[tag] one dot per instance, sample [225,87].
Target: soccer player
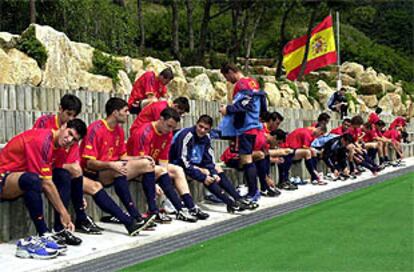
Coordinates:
[337,102]
[104,159]
[299,140]
[149,88]
[152,112]
[346,123]
[154,140]
[67,172]
[241,120]
[191,149]
[26,170]
[335,154]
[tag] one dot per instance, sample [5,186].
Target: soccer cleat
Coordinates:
[67,237]
[136,226]
[247,204]
[88,226]
[162,218]
[168,207]
[34,248]
[184,215]
[94,225]
[110,219]
[287,186]
[234,207]
[199,214]
[271,192]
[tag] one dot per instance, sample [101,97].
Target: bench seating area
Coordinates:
[20,106]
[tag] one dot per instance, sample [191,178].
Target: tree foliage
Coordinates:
[374,33]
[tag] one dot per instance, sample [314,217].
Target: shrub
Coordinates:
[32,47]
[105,65]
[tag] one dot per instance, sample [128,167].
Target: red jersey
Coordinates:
[148,141]
[30,151]
[61,155]
[299,138]
[355,132]
[398,121]
[146,84]
[260,143]
[103,143]
[246,83]
[228,155]
[393,134]
[373,118]
[148,114]
[369,136]
[338,131]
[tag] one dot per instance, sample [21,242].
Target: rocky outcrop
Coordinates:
[324,92]
[392,103]
[62,69]
[18,68]
[273,94]
[200,88]
[69,64]
[370,100]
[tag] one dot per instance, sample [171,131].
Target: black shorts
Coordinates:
[94,175]
[136,110]
[233,163]
[3,178]
[245,143]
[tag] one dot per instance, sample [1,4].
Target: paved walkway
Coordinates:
[114,240]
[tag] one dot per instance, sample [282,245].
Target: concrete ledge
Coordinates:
[114,249]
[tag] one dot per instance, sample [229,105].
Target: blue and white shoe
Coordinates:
[34,248]
[50,244]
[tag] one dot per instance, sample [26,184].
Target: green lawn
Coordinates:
[368,230]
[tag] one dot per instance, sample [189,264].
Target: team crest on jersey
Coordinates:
[164,144]
[252,85]
[110,152]
[318,45]
[117,141]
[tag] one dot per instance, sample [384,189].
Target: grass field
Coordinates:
[368,230]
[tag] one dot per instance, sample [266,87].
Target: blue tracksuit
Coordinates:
[188,150]
[244,113]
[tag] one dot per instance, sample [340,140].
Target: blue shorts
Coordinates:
[245,143]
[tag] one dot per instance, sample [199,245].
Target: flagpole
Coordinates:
[339,82]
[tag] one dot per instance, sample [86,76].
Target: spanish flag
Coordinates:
[322,50]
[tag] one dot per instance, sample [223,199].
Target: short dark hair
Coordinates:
[279,134]
[378,110]
[368,125]
[71,102]
[267,116]
[169,113]
[347,138]
[380,123]
[113,104]
[182,103]
[357,120]
[167,73]
[78,125]
[342,89]
[227,67]
[206,119]
[346,120]
[324,117]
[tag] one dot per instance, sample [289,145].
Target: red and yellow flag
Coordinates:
[322,50]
